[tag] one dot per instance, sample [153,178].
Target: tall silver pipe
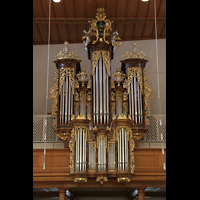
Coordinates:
[80,168]
[63,101]
[97,93]
[84,152]
[130,101]
[78,154]
[83,165]
[100,88]
[104,161]
[66,98]
[60,111]
[135,98]
[118,153]
[99,156]
[132,98]
[94,98]
[104,92]
[125,153]
[141,106]
[69,106]
[138,102]
[72,104]
[90,152]
[122,149]
[107,97]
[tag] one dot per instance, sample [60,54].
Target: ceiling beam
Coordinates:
[45,20]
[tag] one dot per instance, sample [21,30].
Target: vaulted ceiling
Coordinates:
[134,19]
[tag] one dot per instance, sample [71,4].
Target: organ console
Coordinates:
[102,115]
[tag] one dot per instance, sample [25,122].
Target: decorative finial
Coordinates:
[65,54]
[101,15]
[135,50]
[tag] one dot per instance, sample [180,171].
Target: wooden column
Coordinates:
[62,193]
[141,193]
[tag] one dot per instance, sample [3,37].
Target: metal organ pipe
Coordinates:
[138,101]
[135,96]
[100,88]
[122,132]
[141,106]
[94,100]
[66,98]
[107,97]
[78,149]
[69,114]
[97,94]
[104,92]
[101,93]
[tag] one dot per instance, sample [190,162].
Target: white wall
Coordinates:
[148,46]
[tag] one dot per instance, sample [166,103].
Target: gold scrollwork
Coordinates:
[112,83]
[105,55]
[124,96]
[88,96]
[132,146]
[81,117]
[131,73]
[95,58]
[122,116]
[70,72]
[148,95]
[101,179]
[80,179]
[54,97]
[71,147]
[112,95]
[76,95]
[124,179]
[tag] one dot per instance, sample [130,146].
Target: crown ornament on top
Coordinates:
[100,28]
[135,54]
[66,54]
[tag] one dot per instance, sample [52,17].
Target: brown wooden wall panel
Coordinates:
[149,159]
[149,170]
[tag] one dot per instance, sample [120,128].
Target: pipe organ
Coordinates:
[101,115]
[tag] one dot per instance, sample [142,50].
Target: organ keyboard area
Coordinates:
[101,115]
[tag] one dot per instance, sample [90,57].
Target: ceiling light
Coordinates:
[56,1]
[145,0]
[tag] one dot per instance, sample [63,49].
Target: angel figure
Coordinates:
[87,37]
[113,38]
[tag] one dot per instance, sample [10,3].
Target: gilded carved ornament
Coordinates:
[135,54]
[101,179]
[54,97]
[96,57]
[100,28]
[65,54]
[80,179]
